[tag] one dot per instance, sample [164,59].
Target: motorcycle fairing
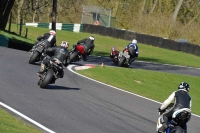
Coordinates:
[80,48]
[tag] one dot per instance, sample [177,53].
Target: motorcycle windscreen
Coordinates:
[80,48]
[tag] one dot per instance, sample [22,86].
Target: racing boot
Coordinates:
[84,57]
[163,127]
[42,69]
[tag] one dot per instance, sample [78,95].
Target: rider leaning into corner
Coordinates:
[135,46]
[51,36]
[88,44]
[114,52]
[181,100]
[59,52]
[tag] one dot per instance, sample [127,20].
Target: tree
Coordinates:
[177,10]
[6,8]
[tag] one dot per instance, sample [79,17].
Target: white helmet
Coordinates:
[134,41]
[64,44]
[52,32]
[91,38]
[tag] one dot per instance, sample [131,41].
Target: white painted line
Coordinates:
[27,118]
[82,67]
[70,68]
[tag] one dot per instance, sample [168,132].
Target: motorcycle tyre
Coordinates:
[178,129]
[73,56]
[34,57]
[47,79]
[121,61]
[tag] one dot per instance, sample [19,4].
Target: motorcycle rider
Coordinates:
[114,54]
[135,46]
[48,37]
[181,100]
[88,44]
[59,52]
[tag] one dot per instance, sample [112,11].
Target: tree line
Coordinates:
[171,19]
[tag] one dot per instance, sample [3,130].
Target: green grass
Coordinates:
[154,85]
[9,124]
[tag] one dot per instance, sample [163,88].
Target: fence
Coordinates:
[142,38]
[59,26]
[91,14]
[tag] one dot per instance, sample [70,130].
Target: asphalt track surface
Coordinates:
[76,104]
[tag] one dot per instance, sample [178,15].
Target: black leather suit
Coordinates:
[59,53]
[45,37]
[182,100]
[88,46]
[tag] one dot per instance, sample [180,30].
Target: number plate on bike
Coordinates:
[126,54]
[40,49]
[42,66]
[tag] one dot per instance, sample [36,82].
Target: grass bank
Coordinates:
[10,124]
[154,85]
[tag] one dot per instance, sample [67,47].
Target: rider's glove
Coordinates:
[160,110]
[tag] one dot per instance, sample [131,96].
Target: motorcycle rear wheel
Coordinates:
[121,61]
[47,79]
[33,57]
[73,56]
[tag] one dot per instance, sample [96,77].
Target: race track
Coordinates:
[76,104]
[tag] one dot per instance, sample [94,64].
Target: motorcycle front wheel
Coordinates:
[33,57]
[47,79]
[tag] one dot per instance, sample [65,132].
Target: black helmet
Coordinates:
[184,85]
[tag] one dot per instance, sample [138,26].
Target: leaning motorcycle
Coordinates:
[124,57]
[37,52]
[51,73]
[114,55]
[76,53]
[179,117]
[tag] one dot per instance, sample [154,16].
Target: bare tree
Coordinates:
[4,17]
[177,10]
[154,5]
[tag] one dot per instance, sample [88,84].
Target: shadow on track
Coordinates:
[57,87]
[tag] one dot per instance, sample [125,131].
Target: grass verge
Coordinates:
[10,124]
[151,84]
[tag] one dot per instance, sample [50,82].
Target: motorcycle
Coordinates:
[124,57]
[179,117]
[37,52]
[51,73]
[114,55]
[76,53]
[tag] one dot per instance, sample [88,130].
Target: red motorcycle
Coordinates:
[76,53]
[114,55]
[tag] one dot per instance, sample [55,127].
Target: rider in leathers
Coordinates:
[88,44]
[181,100]
[52,41]
[135,46]
[59,52]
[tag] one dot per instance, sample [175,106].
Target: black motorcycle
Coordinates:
[76,53]
[37,52]
[51,73]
